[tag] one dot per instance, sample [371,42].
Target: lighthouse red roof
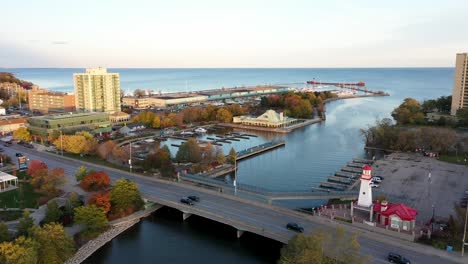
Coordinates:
[367,167]
[401,210]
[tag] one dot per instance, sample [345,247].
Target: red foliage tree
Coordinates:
[101,200]
[95,181]
[35,165]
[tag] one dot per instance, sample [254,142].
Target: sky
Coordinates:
[231,34]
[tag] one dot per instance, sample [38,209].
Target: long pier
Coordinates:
[250,152]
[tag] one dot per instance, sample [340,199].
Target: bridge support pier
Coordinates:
[185,216]
[239,233]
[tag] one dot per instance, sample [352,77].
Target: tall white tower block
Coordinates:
[365,192]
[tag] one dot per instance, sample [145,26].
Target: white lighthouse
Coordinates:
[365,192]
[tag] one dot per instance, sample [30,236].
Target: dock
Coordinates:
[363,161]
[350,169]
[250,152]
[341,180]
[336,186]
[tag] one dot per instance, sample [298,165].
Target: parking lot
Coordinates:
[422,183]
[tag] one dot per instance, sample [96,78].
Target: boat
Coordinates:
[186,133]
[200,130]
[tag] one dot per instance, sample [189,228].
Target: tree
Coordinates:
[75,199]
[125,197]
[232,156]
[80,143]
[189,151]
[92,217]
[34,166]
[48,181]
[223,115]
[22,133]
[101,200]
[81,172]
[55,246]
[105,149]
[25,223]
[409,112]
[21,251]
[220,157]
[462,115]
[323,248]
[156,122]
[53,212]
[139,93]
[95,181]
[4,235]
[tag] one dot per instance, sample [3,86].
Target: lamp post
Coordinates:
[130,159]
[61,141]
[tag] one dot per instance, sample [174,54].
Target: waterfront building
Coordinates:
[44,127]
[97,91]
[11,123]
[45,101]
[119,117]
[397,216]
[182,99]
[460,85]
[8,182]
[269,119]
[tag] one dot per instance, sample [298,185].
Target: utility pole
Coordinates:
[464,231]
[235,175]
[130,160]
[61,141]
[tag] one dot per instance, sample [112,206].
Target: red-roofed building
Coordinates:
[397,216]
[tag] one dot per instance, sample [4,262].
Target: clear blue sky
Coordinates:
[237,33]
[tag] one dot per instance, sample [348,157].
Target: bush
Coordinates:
[95,181]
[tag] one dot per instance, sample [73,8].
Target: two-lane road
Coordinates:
[228,209]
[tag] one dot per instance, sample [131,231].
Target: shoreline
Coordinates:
[117,227]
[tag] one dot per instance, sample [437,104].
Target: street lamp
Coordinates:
[61,141]
[464,231]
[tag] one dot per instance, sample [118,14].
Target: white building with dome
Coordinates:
[270,119]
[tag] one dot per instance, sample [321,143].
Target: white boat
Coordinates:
[200,130]
[186,133]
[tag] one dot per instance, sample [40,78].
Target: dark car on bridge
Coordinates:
[186,201]
[194,198]
[18,154]
[295,227]
[396,258]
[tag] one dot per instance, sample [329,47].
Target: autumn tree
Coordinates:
[95,181]
[160,159]
[55,246]
[220,157]
[21,251]
[101,200]
[105,149]
[223,115]
[25,223]
[232,156]
[92,217]
[80,143]
[125,197]
[48,181]
[156,122]
[409,112]
[34,166]
[22,133]
[53,212]
[81,172]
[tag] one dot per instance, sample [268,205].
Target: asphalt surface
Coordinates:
[233,210]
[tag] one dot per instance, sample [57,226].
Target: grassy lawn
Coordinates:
[453,159]
[95,160]
[11,199]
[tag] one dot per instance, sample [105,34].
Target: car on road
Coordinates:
[31,146]
[396,258]
[194,198]
[186,201]
[7,143]
[295,227]
[1,150]
[18,154]
[374,185]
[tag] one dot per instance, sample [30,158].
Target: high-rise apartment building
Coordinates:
[45,101]
[97,91]
[460,86]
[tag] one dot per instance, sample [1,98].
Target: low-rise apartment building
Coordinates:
[45,102]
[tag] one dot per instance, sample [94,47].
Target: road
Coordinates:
[235,211]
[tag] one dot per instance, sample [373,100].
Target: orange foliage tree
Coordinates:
[101,200]
[35,165]
[95,181]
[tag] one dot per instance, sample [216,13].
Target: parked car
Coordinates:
[186,201]
[18,154]
[376,179]
[295,227]
[380,177]
[194,198]
[396,258]
[374,185]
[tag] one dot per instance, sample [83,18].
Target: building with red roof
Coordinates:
[397,216]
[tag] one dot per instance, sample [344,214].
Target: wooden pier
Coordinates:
[331,185]
[340,180]
[250,152]
[363,161]
[355,165]
[350,169]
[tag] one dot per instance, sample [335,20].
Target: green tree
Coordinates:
[189,151]
[22,133]
[92,217]
[232,156]
[462,115]
[4,235]
[125,195]
[55,246]
[220,157]
[25,223]
[21,251]
[409,112]
[53,212]
[75,200]
[80,173]
[323,248]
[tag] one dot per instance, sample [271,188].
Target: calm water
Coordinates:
[311,153]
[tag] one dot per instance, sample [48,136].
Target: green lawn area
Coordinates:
[453,159]
[95,160]
[24,193]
